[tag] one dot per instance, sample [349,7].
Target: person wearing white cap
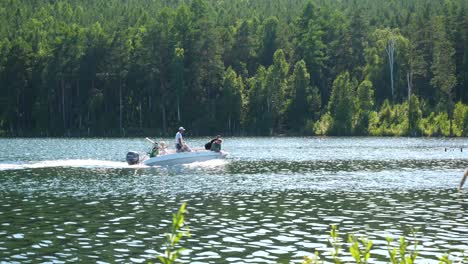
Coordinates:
[179,141]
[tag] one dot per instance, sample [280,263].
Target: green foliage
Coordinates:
[444,259]
[360,248]
[312,260]
[335,242]
[269,41]
[153,65]
[435,125]
[341,105]
[324,125]
[405,251]
[443,67]
[402,254]
[378,62]
[390,120]
[414,116]
[276,90]
[460,118]
[364,103]
[305,100]
[230,101]
[178,231]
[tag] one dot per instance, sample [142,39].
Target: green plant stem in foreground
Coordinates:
[172,251]
[360,250]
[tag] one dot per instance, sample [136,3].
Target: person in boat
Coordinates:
[163,147]
[179,141]
[154,151]
[208,145]
[216,145]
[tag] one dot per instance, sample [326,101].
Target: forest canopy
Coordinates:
[244,67]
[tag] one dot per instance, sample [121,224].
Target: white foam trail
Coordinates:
[69,163]
[207,164]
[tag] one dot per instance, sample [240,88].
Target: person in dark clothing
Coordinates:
[216,146]
[208,145]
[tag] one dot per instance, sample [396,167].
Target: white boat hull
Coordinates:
[184,157]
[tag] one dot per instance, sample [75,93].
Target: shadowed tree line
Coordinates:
[297,67]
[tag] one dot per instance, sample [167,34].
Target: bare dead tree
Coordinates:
[390,49]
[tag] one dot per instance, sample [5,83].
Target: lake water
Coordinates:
[272,201]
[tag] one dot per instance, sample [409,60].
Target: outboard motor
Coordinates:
[133,157]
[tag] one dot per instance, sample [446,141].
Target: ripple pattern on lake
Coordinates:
[272,201]
[271,227]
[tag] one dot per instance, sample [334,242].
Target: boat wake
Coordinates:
[92,164]
[88,163]
[208,164]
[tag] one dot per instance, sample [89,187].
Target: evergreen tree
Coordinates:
[443,66]
[304,101]
[364,103]
[269,41]
[230,103]
[258,119]
[340,106]
[103,68]
[276,90]
[414,116]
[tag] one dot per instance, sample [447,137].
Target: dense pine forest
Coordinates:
[235,67]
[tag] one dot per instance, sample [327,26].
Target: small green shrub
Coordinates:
[435,125]
[402,254]
[335,243]
[360,248]
[324,125]
[390,120]
[460,120]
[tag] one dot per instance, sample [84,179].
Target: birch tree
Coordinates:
[384,45]
[390,49]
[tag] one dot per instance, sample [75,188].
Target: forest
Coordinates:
[234,67]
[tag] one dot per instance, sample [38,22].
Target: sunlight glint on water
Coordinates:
[271,201]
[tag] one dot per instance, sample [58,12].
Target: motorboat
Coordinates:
[174,158]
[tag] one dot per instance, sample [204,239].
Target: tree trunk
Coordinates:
[79,103]
[149,104]
[409,85]
[120,105]
[390,49]
[141,121]
[63,102]
[450,113]
[178,108]
[164,125]
[451,131]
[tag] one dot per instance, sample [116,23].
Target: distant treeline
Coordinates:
[235,67]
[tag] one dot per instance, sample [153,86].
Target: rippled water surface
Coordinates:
[271,201]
